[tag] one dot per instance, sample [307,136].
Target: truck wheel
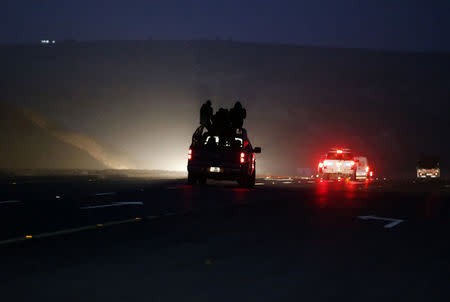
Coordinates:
[252,180]
[243,179]
[191,179]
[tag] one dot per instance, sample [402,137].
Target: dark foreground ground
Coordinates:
[129,240]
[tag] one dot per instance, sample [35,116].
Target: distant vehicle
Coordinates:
[428,167]
[338,164]
[223,158]
[363,169]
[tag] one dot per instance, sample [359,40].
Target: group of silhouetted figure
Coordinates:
[224,121]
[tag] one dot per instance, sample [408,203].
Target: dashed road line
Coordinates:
[69,231]
[259,184]
[9,201]
[106,193]
[114,204]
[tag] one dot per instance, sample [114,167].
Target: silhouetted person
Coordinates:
[206,113]
[221,121]
[237,116]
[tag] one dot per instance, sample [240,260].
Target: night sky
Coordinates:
[395,25]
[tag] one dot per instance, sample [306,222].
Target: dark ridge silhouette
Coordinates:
[144,97]
[30,141]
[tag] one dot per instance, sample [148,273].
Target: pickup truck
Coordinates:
[230,157]
[338,164]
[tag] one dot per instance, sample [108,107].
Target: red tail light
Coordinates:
[242,157]
[190,154]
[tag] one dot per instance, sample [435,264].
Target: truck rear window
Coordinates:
[339,156]
[223,142]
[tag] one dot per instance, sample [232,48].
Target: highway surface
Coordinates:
[93,239]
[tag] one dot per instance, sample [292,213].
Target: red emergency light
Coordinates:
[242,157]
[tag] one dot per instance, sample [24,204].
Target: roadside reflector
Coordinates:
[138,218]
[28,236]
[100,225]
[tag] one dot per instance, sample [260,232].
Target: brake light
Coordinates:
[339,151]
[190,154]
[242,157]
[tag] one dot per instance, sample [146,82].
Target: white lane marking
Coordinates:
[259,184]
[128,202]
[106,193]
[69,231]
[9,201]
[114,204]
[287,182]
[393,221]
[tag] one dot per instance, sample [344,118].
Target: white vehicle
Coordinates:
[339,164]
[363,170]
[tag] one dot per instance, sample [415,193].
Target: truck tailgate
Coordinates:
[219,158]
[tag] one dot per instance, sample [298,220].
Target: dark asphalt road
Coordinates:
[276,242]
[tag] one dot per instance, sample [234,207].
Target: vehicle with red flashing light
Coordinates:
[222,157]
[338,164]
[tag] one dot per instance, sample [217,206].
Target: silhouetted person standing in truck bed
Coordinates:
[221,121]
[206,113]
[237,116]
